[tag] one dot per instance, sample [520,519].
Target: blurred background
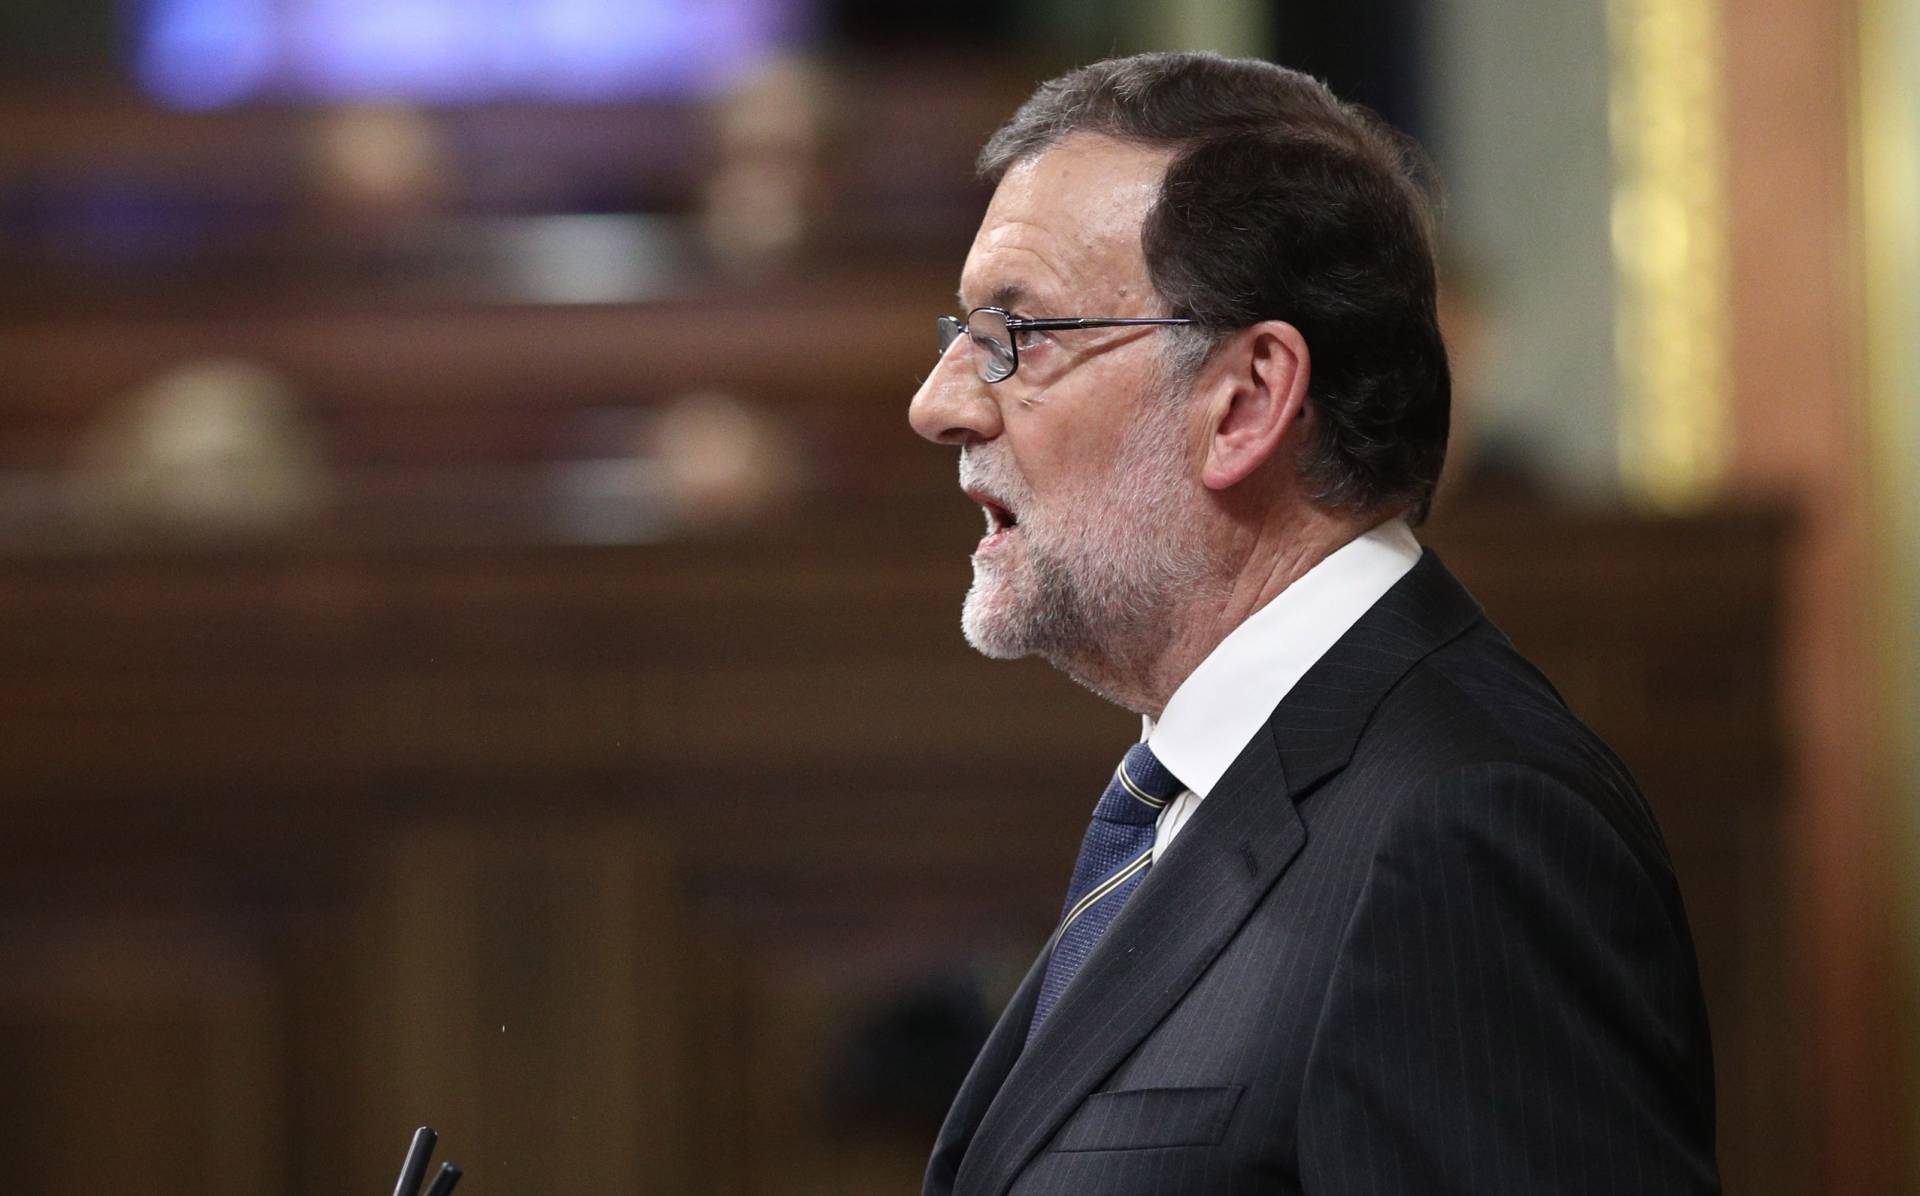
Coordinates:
[478,640]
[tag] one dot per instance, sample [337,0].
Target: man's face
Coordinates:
[1081,460]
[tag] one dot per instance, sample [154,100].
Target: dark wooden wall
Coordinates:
[598,858]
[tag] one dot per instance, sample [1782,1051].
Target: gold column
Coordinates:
[1666,115]
[1887,183]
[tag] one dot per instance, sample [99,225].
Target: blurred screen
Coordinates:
[215,53]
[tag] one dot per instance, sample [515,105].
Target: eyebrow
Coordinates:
[1007,296]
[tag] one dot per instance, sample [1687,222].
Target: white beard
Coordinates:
[1093,579]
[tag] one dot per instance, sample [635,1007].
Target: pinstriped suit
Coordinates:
[1423,936]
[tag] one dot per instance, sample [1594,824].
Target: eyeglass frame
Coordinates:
[951,328]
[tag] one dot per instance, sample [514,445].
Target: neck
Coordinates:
[1257,565]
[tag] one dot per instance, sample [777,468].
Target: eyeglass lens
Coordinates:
[993,355]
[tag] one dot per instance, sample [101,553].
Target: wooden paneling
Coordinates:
[142,1053]
[673,816]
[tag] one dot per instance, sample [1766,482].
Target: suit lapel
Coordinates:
[1191,904]
[1316,726]
[1184,912]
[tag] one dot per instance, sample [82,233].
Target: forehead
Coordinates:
[1064,229]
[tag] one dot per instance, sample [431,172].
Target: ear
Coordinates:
[1258,384]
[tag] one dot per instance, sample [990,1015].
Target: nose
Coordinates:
[953,405]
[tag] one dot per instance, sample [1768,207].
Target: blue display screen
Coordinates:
[215,53]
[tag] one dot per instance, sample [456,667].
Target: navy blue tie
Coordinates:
[1114,857]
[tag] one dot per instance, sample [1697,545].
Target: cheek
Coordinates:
[1062,459]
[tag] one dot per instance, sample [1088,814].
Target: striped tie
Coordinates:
[1114,857]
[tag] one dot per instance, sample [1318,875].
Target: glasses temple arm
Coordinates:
[1016,324]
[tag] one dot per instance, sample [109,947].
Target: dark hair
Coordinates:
[1282,202]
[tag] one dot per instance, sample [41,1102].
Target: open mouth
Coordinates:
[1000,519]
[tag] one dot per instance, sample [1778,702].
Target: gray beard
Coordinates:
[1099,600]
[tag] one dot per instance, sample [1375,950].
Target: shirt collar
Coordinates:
[1229,697]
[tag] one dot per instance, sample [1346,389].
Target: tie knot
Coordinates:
[1140,789]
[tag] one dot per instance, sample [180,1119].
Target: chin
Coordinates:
[991,637]
[992,624]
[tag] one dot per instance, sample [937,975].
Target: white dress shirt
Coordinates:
[1227,700]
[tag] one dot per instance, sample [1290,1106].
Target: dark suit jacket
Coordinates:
[1423,936]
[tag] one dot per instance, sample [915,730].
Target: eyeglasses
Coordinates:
[996,332]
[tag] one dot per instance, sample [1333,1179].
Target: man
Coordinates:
[1368,910]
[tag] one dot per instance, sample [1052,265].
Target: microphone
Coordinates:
[414,1168]
[443,1182]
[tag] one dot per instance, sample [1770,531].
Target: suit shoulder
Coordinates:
[1476,700]
[1476,708]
